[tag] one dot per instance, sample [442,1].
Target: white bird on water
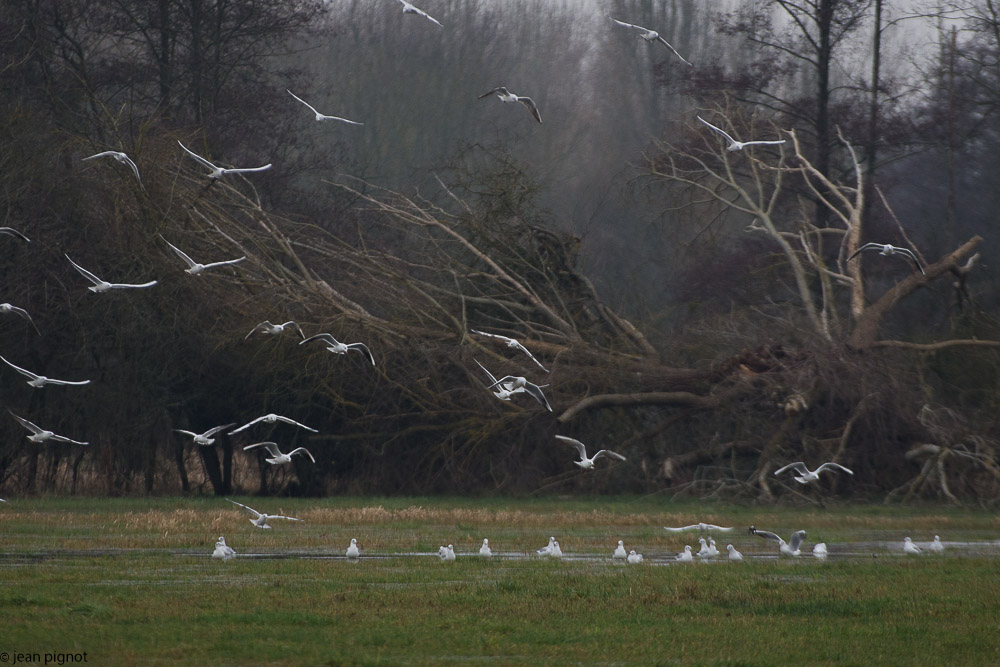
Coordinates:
[41,435]
[547,549]
[321,116]
[512,343]
[790,548]
[504,96]
[588,463]
[909,547]
[888,250]
[335,346]
[703,527]
[194,268]
[259,518]
[634,558]
[8,309]
[276,456]
[805,475]
[936,545]
[215,173]
[222,550]
[39,381]
[10,231]
[103,285]
[353,551]
[685,556]
[620,551]
[820,550]
[518,383]
[204,439]
[650,36]
[271,419]
[410,9]
[738,145]
[121,157]
[266,327]
[485,549]
[734,555]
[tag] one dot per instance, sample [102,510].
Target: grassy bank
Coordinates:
[130,581]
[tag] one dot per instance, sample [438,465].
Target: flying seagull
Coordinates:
[204,439]
[505,96]
[703,527]
[485,549]
[887,250]
[8,309]
[353,551]
[216,173]
[584,462]
[103,285]
[276,455]
[737,145]
[260,519]
[39,381]
[335,346]
[321,116]
[518,383]
[121,157]
[271,419]
[810,476]
[650,36]
[10,231]
[194,268]
[410,9]
[266,327]
[41,435]
[619,552]
[512,343]
[503,391]
[790,548]
[222,550]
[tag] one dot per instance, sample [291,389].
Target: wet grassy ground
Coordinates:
[131,581]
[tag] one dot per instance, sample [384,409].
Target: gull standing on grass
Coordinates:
[650,36]
[8,309]
[634,558]
[512,343]
[485,549]
[620,551]
[888,250]
[504,96]
[353,551]
[121,157]
[335,346]
[805,475]
[909,547]
[410,9]
[222,551]
[790,548]
[936,545]
[685,556]
[738,145]
[38,381]
[204,439]
[518,383]
[321,116]
[703,527]
[547,549]
[194,268]
[266,327]
[271,419]
[215,173]
[584,462]
[820,550]
[259,518]
[103,285]
[446,553]
[734,555]
[41,435]
[10,231]
[276,456]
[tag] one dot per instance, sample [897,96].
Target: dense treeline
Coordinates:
[696,306]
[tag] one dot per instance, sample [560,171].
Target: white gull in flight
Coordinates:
[650,36]
[41,435]
[588,463]
[121,157]
[259,518]
[805,475]
[271,419]
[103,285]
[204,439]
[39,381]
[738,145]
[505,96]
[335,346]
[321,116]
[215,173]
[276,456]
[512,343]
[194,268]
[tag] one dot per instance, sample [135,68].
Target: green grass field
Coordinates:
[130,581]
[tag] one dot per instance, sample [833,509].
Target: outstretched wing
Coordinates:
[530,103]
[25,423]
[241,170]
[180,253]
[610,454]
[798,465]
[224,263]
[580,447]
[330,340]
[718,129]
[499,90]
[628,25]
[867,246]
[831,465]
[212,431]
[681,528]
[768,535]
[493,380]
[84,272]
[304,450]
[667,44]
[255,513]
[272,447]
[25,373]
[363,348]
[303,102]
[292,421]
[62,438]
[913,258]
[13,232]
[198,157]
[530,355]
[536,393]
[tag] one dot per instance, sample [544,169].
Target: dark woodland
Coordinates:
[696,307]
